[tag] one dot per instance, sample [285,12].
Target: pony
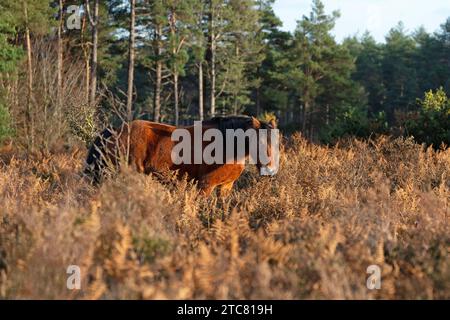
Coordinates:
[147,146]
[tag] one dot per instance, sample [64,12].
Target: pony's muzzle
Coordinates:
[267,171]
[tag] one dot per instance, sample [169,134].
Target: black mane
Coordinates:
[233,122]
[229,122]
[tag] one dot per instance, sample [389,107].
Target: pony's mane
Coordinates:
[232,122]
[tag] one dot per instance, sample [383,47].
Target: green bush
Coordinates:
[431,125]
[351,121]
[82,123]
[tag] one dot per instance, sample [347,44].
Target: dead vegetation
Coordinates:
[310,232]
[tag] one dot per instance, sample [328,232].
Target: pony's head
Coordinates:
[259,139]
[267,137]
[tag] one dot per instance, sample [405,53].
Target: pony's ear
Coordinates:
[273,123]
[255,122]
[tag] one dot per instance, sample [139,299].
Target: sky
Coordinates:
[376,16]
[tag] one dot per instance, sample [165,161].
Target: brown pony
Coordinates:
[150,148]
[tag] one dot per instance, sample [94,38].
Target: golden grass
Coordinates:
[310,232]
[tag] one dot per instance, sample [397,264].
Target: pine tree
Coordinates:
[198,47]
[443,37]
[181,17]
[304,66]
[131,58]
[269,25]
[233,52]
[28,17]
[272,94]
[369,58]
[94,23]
[399,72]
[155,21]
[244,55]
[10,54]
[60,58]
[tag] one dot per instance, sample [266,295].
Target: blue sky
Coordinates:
[377,16]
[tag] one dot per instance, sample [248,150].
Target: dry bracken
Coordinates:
[310,232]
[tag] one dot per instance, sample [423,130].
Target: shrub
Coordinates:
[431,125]
[82,123]
[351,121]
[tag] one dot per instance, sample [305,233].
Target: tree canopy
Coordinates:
[199,58]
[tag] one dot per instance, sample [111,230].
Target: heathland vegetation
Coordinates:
[311,231]
[364,175]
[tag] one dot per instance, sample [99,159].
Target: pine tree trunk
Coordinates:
[235,98]
[158,75]
[311,126]
[173,31]
[213,83]
[131,56]
[176,98]
[86,55]
[212,48]
[94,59]
[29,112]
[60,53]
[200,90]
[258,101]
[88,78]
[305,115]
[60,62]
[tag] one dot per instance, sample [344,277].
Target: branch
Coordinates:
[180,45]
[88,10]
[224,83]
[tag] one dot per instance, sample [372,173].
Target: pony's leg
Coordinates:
[205,188]
[138,163]
[225,189]
[139,166]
